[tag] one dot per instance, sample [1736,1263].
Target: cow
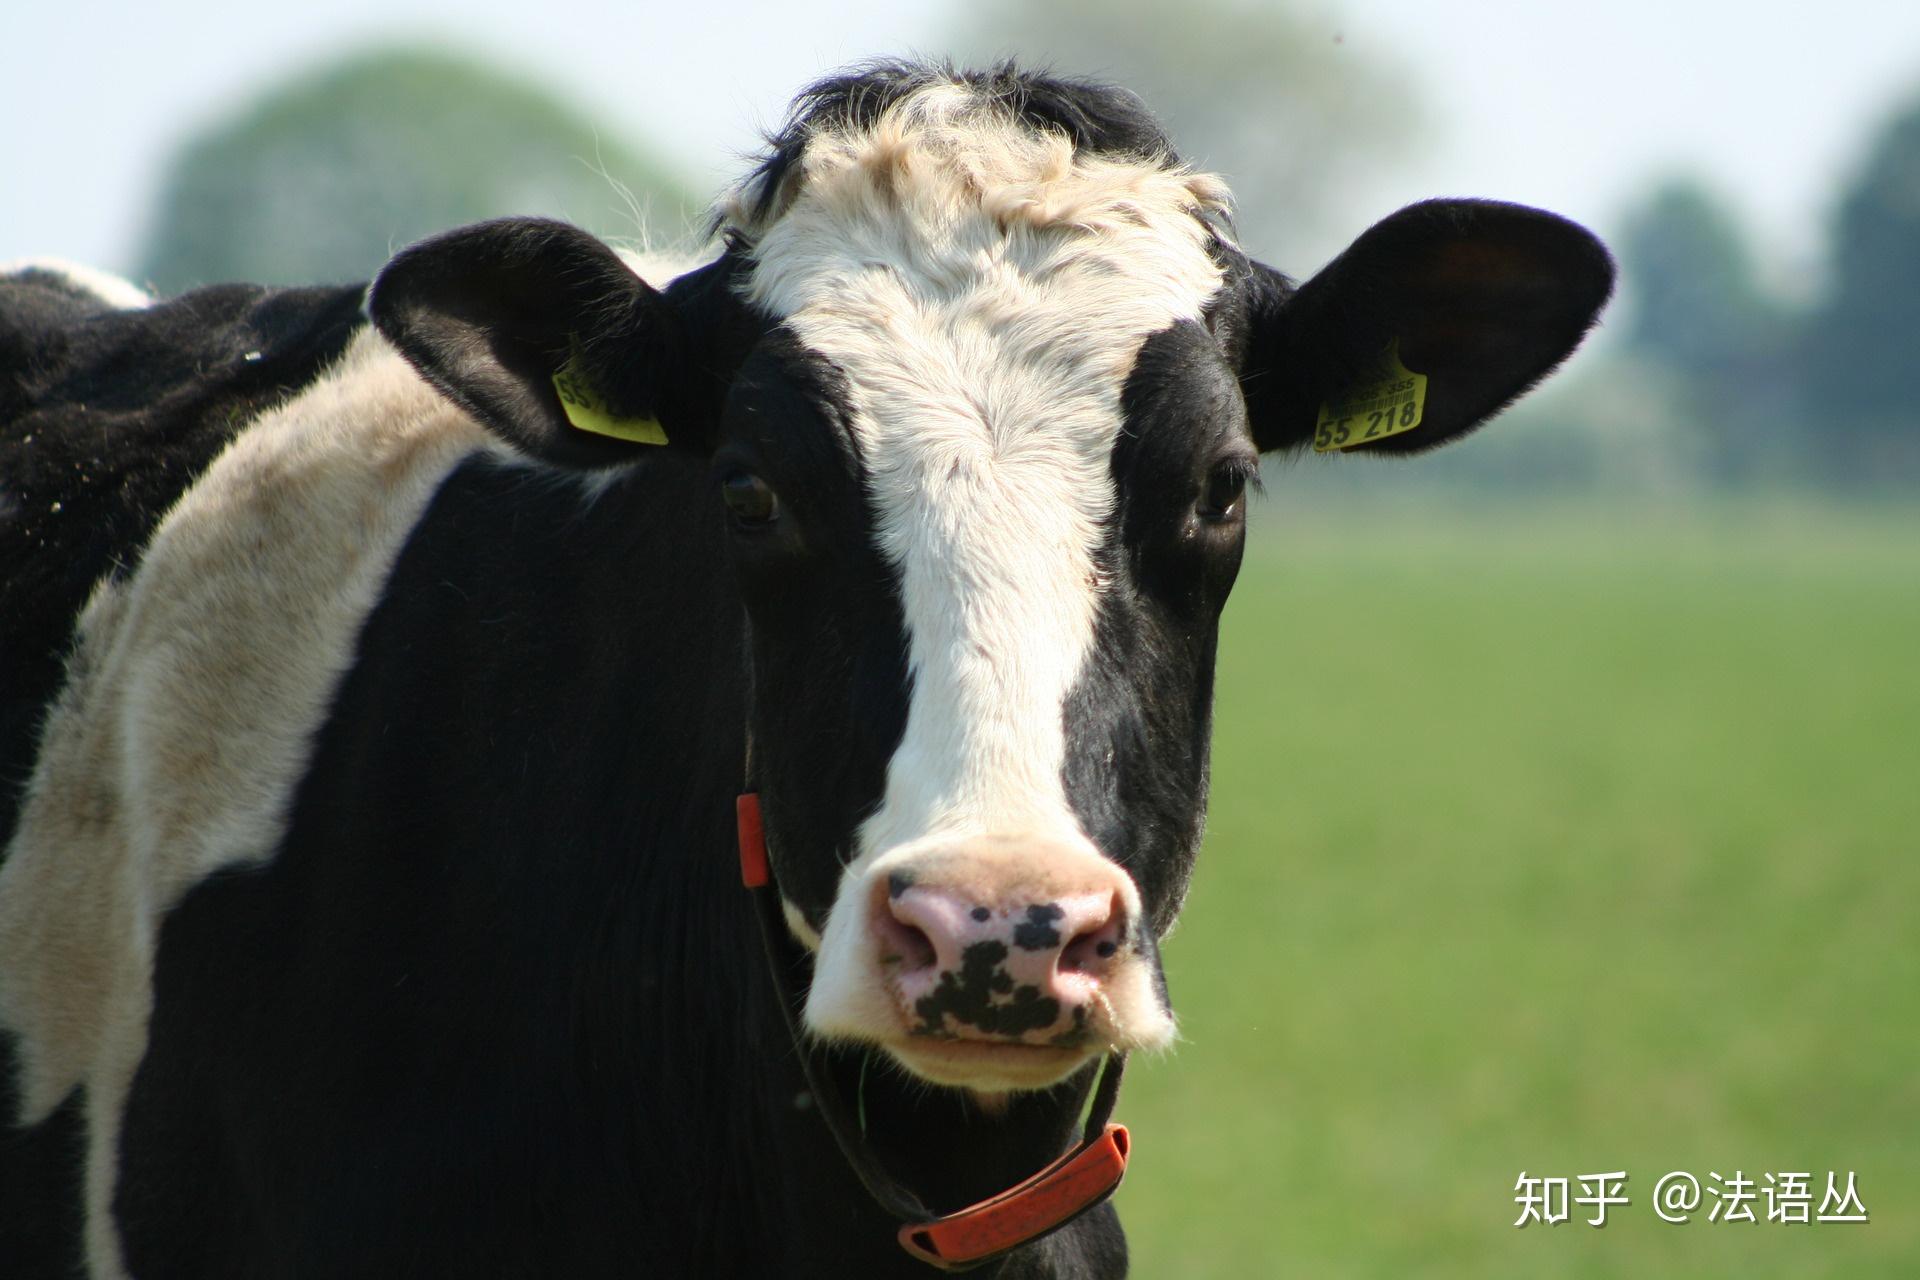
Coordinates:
[402,681]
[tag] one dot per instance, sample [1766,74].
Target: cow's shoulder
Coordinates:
[197,676]
[107,413]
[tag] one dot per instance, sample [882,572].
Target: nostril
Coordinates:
[1093,948]
[904,943]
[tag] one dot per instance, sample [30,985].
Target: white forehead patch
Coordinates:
[984,292]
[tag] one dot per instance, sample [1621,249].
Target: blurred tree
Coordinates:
[321,179]
[1695,299]
[1863,347]
[1701,323]
[1264,94]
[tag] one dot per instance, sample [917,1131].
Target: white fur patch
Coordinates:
[660,267]
[984,292]
[104,285]
[188,718]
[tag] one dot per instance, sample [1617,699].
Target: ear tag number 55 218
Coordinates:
[1386,406]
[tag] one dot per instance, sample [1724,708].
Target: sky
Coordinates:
[1574,108]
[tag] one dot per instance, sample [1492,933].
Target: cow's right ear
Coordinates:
[1428,325]
[541,332]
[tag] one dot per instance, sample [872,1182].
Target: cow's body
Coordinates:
[370,906]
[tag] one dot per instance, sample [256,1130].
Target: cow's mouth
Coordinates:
[989,1066]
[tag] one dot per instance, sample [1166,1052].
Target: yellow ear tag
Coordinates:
[1394,402]
[585,410]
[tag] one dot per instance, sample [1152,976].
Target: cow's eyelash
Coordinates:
[1246,469]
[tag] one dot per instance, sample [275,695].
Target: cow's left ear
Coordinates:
[541,332]
[1430,323]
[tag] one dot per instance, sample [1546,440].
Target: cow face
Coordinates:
[983,396]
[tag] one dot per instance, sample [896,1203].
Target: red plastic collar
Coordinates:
[1050,1199]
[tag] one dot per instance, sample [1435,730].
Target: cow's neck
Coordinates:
[688,926]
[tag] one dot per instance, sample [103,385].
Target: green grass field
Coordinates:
[1565,843]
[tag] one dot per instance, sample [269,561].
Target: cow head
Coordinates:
[984,380]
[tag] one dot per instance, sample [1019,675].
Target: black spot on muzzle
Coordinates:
[969,998]
[1037,932]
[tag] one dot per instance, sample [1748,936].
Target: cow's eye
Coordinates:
[751,499]
[1225,485]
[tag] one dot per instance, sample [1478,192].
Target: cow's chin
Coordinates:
[987,1067]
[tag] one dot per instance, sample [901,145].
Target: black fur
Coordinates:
[828,659]
[1139,722]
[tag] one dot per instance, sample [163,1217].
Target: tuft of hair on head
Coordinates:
[883,116]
